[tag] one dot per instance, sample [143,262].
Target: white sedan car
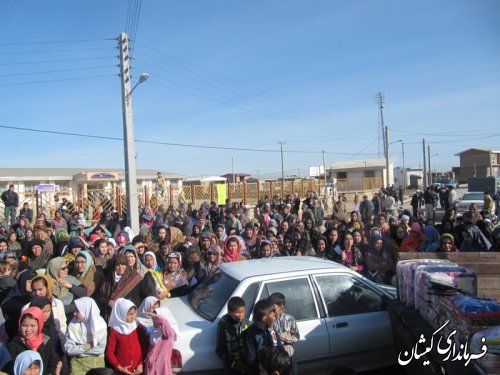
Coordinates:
[342,317]
[468,198]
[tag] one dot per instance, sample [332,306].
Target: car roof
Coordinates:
[270,266]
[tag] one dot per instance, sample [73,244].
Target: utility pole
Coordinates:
[429,161]
[324,172]
[491,164]
[425,164]
[404,168]
[386,137]
[380,97]
[234,177]
[282,170]
[128,136]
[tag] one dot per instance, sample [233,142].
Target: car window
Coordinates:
[473,197]
[346,295]
[249,298]
[208,298]
[299,298]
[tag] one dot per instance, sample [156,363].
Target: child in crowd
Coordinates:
[30,337]
[284,324]
[86,337]
[161,339]
[229,345]
[260,334]
[124,350]
[274,361]
[6,279]
[28,362]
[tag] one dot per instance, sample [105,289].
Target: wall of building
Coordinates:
[474,163]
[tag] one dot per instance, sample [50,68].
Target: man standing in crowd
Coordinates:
[11,200]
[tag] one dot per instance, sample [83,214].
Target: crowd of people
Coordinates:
[86,297]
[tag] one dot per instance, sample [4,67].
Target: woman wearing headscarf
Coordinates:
[414,239]
[301,243]
[250,237]
[333,248]
[212,259]
[66,288]
[17,297]
[49,325]
[350,255]
[38,255]
[193,267]
[85,272]
[30,337]
[121,282]
[398,235]
[126,339]
[14,244]
[41,287]
[28,360]
[86,337]
[431,240]
[175,278]
[233,250]
[474,239]
[379,264]
[149,260]
[447,243]
[133,260]
[321,247]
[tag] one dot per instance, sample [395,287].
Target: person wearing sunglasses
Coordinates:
[66,287]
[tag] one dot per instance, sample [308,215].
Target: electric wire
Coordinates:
[55,42]
[162,143]
[53,51]
[57,61]
[58,70]
[56,80]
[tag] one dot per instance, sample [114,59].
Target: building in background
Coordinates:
[409,178]
[360,175]
[477,162]
[28,180]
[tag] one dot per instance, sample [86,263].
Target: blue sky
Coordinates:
[248,75]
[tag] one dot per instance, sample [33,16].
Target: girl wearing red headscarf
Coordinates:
[30,337]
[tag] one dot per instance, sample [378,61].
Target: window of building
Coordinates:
[369,173]
[342,175]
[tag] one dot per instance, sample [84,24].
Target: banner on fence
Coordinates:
[221,193]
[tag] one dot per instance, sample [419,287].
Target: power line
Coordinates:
[159,142]
[56,80]
[53,51]
[57,71]
[55,42]
[57,61]
[287,106]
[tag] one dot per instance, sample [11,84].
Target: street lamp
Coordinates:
[387,155]
[144,77]
[430,169]
[400,140]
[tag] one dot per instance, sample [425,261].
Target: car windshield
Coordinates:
[208,298]
[473,197]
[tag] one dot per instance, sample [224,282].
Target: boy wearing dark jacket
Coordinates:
[230,332]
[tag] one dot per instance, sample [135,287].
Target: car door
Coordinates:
[358,322]
[312,351]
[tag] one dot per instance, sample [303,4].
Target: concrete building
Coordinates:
[408,178]
[477,162]
[28,180]
[360,174]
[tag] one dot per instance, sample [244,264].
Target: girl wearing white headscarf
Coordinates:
[143,316]
[161,340]
[126,339]
[86,337]
[25,360]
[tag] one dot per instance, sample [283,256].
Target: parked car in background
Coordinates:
[468,198]
[449,182]
[342,317]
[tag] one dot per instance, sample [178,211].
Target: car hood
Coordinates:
[187,319]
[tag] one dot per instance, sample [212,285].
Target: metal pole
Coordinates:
[128,136]
[234,177]
[282,168]
[386,157]
[324,172]
[429,161]
[491,164]
[404,168]
[425,164]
